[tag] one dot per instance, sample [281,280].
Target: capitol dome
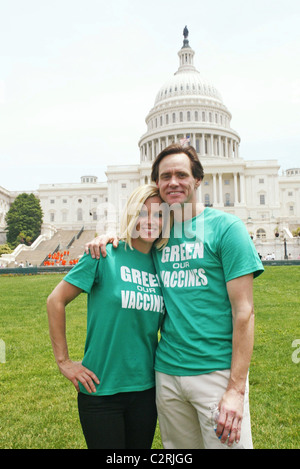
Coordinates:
[189,106]
[189,83]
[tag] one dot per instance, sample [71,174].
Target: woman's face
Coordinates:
[149,223]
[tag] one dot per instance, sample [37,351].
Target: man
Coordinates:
[206,272]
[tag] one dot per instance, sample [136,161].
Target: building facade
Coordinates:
[187,106]
[71,206]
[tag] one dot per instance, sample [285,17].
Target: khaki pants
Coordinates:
[184,410]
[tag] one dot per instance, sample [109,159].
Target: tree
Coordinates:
[24,220]
[5,249]
[296,232]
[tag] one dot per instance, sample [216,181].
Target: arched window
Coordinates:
[260,233]
[206,200]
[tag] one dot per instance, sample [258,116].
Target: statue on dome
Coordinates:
[185,32]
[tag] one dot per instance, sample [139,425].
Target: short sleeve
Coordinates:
[84,274]
[238,254]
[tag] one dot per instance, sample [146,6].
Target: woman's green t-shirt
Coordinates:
[125,311]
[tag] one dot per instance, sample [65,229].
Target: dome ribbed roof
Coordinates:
[189,83]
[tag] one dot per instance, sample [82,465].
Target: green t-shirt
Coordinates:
[125,311]
[202,255]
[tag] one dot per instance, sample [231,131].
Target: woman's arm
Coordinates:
[57,301]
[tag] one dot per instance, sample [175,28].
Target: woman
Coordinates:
[115,381]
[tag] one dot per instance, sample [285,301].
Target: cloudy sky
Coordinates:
[78,77]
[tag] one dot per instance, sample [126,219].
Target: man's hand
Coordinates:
[76,372]
[231,415]
[231,406]
[97,246]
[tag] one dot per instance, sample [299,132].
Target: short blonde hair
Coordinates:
[132,212]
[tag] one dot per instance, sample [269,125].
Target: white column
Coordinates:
[230,149]
[253,191]
[242,188]
[212,145]
[226,147]
[276,187]
[219,142]
[215,201]
[220,189]
[202,145]
[236,201]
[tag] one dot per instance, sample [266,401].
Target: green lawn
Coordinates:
[38,407]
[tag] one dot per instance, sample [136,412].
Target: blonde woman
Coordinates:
[115,381]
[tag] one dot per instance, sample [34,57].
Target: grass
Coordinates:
[274,377]
[38,407]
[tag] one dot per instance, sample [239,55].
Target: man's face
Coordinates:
[176,182]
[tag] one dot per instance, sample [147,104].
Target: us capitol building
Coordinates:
[186,107]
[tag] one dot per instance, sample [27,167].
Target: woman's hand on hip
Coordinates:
[76,372]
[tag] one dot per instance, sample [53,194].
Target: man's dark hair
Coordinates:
[173,149]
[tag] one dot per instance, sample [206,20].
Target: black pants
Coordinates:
[122,421]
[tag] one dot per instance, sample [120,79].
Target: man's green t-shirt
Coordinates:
[202,254]
[125,311]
